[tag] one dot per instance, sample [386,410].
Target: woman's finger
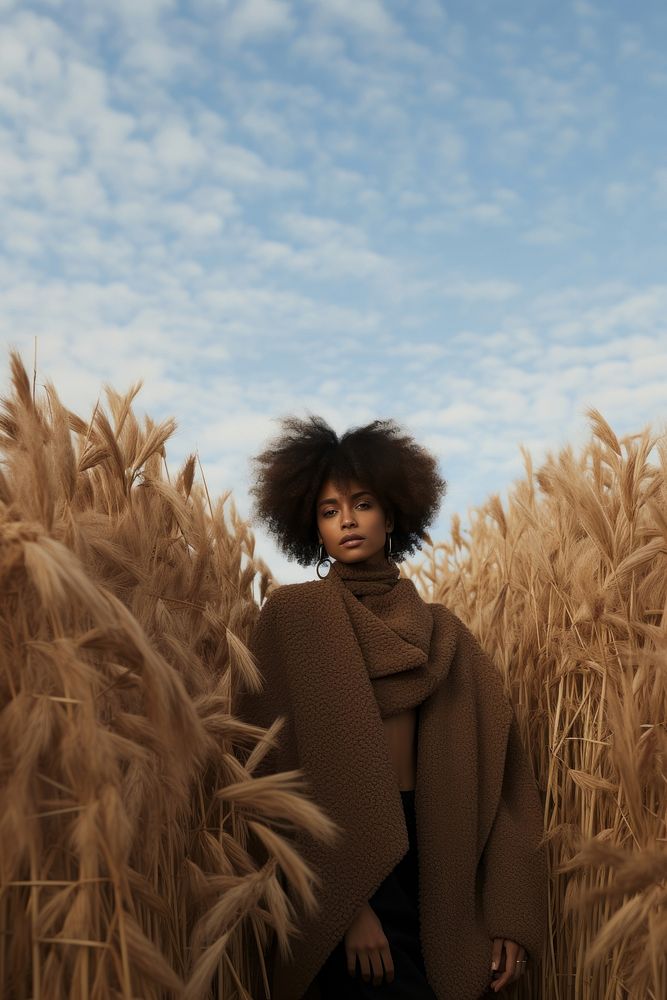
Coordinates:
[388,963]
[496,953]
[511,949]
[520,963]
[377,968]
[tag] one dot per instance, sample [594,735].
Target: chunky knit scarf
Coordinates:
[338,656]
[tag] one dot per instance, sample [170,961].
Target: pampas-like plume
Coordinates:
[127,795]
[567,591]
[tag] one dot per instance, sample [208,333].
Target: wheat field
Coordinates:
[127,797]
[140,853]
[566,587]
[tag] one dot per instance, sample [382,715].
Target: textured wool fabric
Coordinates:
[337,656]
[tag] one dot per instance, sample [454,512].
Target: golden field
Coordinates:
[128,796]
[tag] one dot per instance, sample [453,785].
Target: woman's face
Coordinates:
[352,511]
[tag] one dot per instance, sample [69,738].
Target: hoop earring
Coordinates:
[323,558]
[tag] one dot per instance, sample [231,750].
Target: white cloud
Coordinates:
[631,42]
[176,147]
[446,446]
[492,112]
[242,430]
[146,12]
[257,19]
[422,353]
[239,165]
[154,57]
[82,191]
[451,146]
[316,229]
[660,183]
[368,15]
[641,310]
[556,224]
[60,148]
[619,194]
[585,9]
[86,91]
[331,249]
[458,415]
[266,127]
[185,219]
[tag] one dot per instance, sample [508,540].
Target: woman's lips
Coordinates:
[353,542]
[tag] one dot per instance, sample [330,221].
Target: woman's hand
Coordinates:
[515,962]
[365,940]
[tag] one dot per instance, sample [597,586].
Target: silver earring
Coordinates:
[389,545]
[323,558]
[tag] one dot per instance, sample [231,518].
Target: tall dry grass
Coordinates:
[128,805]
[566,587]
[140,853]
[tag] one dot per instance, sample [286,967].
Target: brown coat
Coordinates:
[337,657]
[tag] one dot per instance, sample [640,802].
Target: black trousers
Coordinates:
[396,903]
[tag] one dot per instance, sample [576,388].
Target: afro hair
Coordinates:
[288,475]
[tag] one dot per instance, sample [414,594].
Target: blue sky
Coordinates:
[453,214]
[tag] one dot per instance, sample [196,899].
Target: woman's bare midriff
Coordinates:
[401,734]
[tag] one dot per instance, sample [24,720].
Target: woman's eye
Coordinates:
[363,504]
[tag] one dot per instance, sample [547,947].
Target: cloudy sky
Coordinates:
[453,214]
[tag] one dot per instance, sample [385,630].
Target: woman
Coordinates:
[436,885]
